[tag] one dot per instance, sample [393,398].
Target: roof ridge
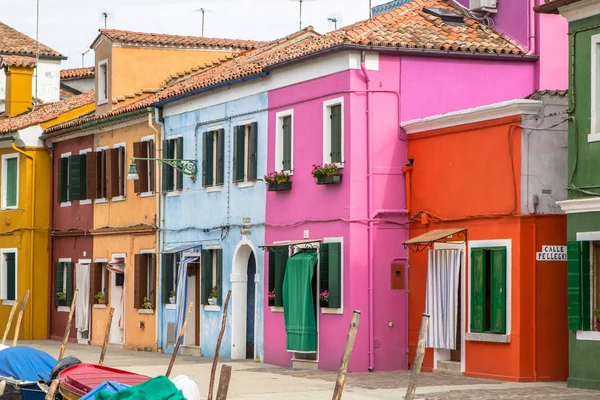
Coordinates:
[14,42]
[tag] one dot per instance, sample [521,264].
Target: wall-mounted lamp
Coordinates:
[187,167]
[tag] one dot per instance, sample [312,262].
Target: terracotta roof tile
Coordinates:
[75,73]
[45,112]
[159,39]
[15,42]
[17,61]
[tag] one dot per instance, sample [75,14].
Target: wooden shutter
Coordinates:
[207,159]
[324,268]
[271,282]
[58,280]
[83,177]
[76,165]
[335,275]
[179,143]
[140,280]
[151,259]
[167,277]
[112,173]
[281,258]
[96,281]
[578,285]
[219,267]
[477,290]
[12,171]
[220,157]
[122,164]
[335,116]
[498,291]
[11,277]
[151,166]
[206,276]
[253,152]
[101,174]
[239,137]
[137,153]
[63,180]
[70,280]
[167,170]
[287,143]
[91,180]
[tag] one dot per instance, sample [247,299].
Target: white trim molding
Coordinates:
[588,335]
[588,236]
[327,104]
[5,158]
[580,10]
[471,115]
[577,206]
[594,135]
[279,140]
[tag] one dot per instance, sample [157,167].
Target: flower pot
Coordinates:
[271,302]
[329,180]
[212,301]
[598,326]
[275,187]
[101,301]
[324,304]
[61,303]
[172,300]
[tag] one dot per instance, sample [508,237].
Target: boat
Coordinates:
[23,372]
[78,380]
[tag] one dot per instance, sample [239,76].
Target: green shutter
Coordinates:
[335,275]
[70,279]
[206,276]
[478,294]
[76,171]
[167,277]
[324,268]
[219,254]
[83,177]
[498,291]
[220,157]
[239,137]
[336,133]
[179,144]
[63,180]
[58,280]
[167,170]
[281,258]
[271,282]
[574,283]
[12,170]
[586,287]
[287,143]
[11,277]
[207,159]
[253,152]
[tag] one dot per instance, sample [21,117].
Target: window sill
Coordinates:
[145,311]
[63,309]
[332,310]
[66,204]
[276,309]
[593,137]
[340,165]
[171,306]
[487,337]
[101,201]
[118,198]
[99,306]
[174,193]
[102,101]
[591,336]
[8,302]
[213,189]
[84,202]
[242,185]
[212,308]
[147,194]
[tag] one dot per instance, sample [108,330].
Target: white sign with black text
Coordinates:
[552,253]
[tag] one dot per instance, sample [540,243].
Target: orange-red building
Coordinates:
[487,261]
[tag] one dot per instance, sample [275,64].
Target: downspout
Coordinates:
[31,293]
[534,228]
[370,222]
[50,240]
[533,18]
[407,169]
[157,194]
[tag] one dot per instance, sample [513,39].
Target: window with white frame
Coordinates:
[245,152]
[10,181]
[103,82]
[119,182]
[333,131]
[8,274]
[213,158]
[170,270]
[284,141]
[211,276]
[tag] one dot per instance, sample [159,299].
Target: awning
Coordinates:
[312,244]
[298,305]
[426,240]
[181,248]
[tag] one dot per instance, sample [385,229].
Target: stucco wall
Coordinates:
[83,85]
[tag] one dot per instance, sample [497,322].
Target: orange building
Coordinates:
[487,259]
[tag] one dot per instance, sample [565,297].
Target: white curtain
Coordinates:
[82,305]
[182,283]
[441,302]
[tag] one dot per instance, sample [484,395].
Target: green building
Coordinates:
[583,203]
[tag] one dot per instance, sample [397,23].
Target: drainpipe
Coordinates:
[407,169]
[50,241]
[32,292]
[157,194]
[534,229]
[370,222]
[533,19]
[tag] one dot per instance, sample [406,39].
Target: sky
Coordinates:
[70,26]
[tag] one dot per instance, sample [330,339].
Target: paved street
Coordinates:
[251,380]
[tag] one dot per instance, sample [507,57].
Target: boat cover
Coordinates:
[2,347]
[108,387]
[24,364]
[159,388]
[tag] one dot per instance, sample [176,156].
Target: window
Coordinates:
[10,181]
[103,82]
[211,274]
[278,257]
[333,131]
[213,157]
[170,270]
[172,179]
[488,290]
[245,152]
[145,168]
[8,274]
[99,281]
[284,143]
[144,284]
[63,283]
[72,178]
[105,173]
[583,284]
[330,274]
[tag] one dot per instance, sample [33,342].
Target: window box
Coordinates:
[276,187]
[329,180]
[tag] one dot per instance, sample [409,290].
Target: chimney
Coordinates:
[19,87]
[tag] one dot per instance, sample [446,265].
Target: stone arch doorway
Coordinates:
[244,291]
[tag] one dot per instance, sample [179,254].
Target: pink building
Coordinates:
[344,104]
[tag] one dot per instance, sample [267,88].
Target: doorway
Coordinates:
[117,326]
[250,301]
[192,333]
[244,290]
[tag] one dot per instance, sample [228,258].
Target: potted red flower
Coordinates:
[597,315]
[326,174]
[278,181]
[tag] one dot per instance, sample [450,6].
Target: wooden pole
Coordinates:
[224,382]
[412,384]
[10,320]
[20,318]
[52,390]
[106,336]
[341,378]
[179,339]
[68,328]
[216,359]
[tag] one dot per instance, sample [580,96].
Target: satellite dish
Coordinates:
[105,16]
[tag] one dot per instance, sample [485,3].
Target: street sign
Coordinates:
[552,253]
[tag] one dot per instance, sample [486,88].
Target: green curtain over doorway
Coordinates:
[298,303]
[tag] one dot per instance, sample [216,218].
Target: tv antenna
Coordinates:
[334,20]
[105,16]
[203,11]
[300,19]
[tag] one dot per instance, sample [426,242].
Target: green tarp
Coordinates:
[159,388]
[298,306]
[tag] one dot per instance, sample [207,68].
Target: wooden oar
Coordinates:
[52,390]
[179,340]
[341,379]
[106,335]
[68,328]
[10,320]
[216,359]
[20,318]
[224,382]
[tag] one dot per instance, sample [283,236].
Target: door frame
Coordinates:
[113,277]
[198,287]
[88,262]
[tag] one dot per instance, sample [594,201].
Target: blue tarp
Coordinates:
[110,387]
[24,363]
